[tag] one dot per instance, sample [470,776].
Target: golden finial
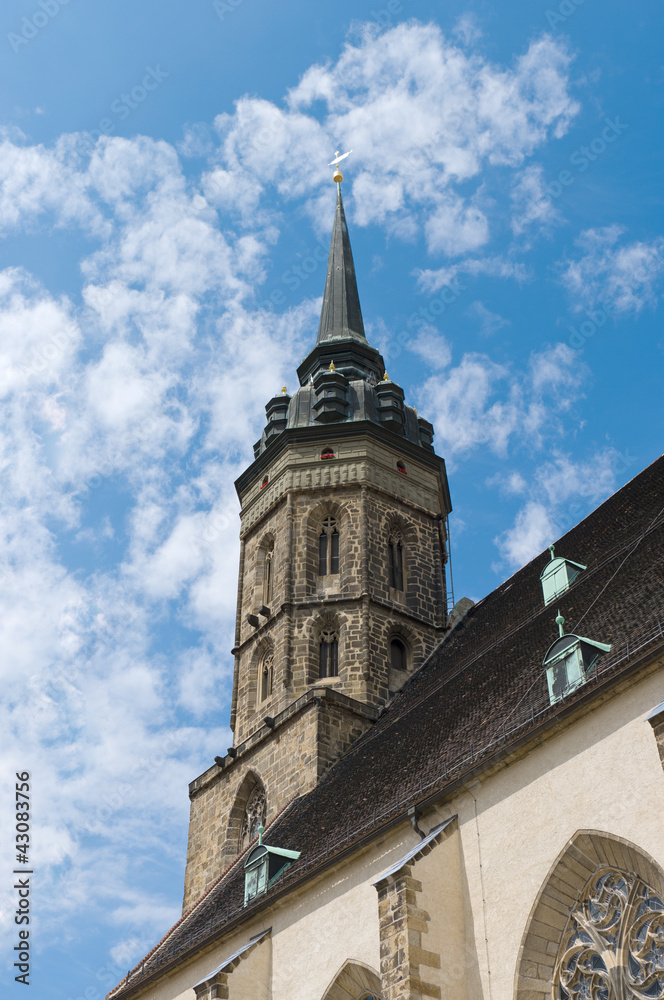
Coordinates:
[332,368]
[386,377]
[337,176]
[415,410]
[283,389]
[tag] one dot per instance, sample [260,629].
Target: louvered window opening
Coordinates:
[329,655]
[267,577]
[328,548]
[395,555]
[267,670]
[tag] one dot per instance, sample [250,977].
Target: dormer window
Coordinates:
[569,662]
[558,576]
[263,866]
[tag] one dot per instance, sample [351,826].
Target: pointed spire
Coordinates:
[341,315]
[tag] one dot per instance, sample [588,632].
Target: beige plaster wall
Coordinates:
[603,773]
[337,920]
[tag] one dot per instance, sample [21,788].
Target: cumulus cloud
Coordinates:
[561,491]
[444,114]
[610,272]
[532,205]
[480,402]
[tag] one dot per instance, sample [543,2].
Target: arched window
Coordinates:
[265,679]
[328,547]
[328,652]
[402,468]
[327,453]
[254,815]
[267,574]
[395,560]
[398,655]
[265,482]
[612,945]
[610,895]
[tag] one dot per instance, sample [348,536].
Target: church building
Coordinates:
[421,800]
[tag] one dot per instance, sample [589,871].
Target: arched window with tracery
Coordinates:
[612,943]
[328,653]
[266,676]
[328,547]
[395,558]
[255,813]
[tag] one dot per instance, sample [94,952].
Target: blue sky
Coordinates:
[163,192]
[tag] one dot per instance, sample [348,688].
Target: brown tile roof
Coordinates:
[482,690]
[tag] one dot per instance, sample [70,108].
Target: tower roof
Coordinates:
[341,315]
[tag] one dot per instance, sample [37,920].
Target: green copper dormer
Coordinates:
[570,661]
[558,576]
[263,865]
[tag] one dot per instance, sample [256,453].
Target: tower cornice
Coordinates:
[330,433]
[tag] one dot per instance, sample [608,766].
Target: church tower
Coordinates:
[341,591]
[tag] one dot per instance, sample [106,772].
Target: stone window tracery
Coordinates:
[395,552]
[328,547]
[328,663]
[612,947]
[267,575]
[255,812]
[266,675]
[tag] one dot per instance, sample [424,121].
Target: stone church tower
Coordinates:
[341,589]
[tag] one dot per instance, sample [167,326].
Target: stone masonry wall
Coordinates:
[358,601]
[404,960]
[288,761]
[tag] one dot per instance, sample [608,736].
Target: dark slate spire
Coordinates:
[341,315]
[341,338]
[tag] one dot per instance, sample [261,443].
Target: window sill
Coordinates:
[326,682]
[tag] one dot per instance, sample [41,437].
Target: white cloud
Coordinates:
[532,205]
[532,531]
[479,402]
[610,273]
[443,114]
[560,493]
[496,267]
[490,322]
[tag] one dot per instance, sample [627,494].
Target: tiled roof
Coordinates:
[482,690]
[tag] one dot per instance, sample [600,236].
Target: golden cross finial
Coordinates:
[337,176]
[283,389]
[332,368]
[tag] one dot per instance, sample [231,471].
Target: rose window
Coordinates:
[613,945]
